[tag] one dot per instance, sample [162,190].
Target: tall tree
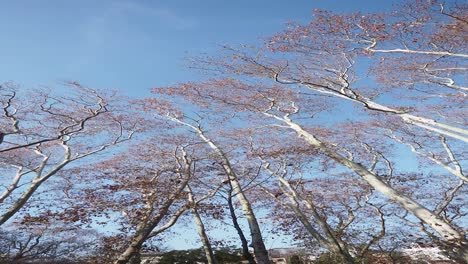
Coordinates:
[417,56]
[43,132]
[258,244]
[149,188]
[201,227]
[279,105]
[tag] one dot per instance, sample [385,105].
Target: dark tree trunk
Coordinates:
[245,247]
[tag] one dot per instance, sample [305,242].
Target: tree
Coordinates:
[327,55]
[201,227]
[278,105]
[194,125]
[48,242]
[155,190]
[269,130]
[232,212]
[319,203]
[43,132]
[329,239]
[152,188]
[417,57]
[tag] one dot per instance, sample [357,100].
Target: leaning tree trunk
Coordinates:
[245,247]
[132,251]
[331,242]
[260,251]
[203,237]
[443,228]
[421,122]
[145,228]
[201,229]
[35,184]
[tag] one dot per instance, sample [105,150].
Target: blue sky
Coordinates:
[135,45]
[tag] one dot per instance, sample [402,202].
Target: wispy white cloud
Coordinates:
[116,24]
[164,16]
[134,18]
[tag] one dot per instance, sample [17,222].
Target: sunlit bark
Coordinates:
[444,229]
[260,252]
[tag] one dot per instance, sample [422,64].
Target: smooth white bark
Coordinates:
[428,217]
[147,225]
[201,228]
[260,251]
[422,122]
[330,241]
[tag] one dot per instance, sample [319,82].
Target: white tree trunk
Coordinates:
[201,228]
[443,228]
[260,251]
[35,184]
[146,227]
[331,241]
[422,122]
